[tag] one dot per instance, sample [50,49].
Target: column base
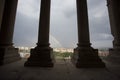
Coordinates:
[87,58]
[40,57]
[114,56]
[8,55]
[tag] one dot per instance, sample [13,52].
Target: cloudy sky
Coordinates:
[63,25]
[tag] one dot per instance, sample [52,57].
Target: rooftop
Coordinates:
[62,70]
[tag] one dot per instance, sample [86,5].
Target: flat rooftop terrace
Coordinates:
[62,70]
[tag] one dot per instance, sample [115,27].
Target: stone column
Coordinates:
[7,52]
[84,55]
[41,54]
[2,2]
[114,16]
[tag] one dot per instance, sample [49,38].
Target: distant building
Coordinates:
[62,50]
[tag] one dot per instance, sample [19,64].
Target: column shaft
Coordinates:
[2,2]
[44,23]
[114,16]
[84,55]
[7,52]
[41,54]
[83,26]
[8,21]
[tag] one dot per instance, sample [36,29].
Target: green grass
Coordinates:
[62,55]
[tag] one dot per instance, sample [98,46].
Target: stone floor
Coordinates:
[63,70]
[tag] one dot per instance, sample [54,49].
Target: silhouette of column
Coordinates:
[84,55]
[7,52]
[114,15]
[2,2]
[41,55]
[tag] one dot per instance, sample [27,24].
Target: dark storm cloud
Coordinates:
[26,30]
[63,25]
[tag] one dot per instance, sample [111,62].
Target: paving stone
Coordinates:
[62,70]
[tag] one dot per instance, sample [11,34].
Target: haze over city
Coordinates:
[63,25]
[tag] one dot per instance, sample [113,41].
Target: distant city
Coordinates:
[25,51]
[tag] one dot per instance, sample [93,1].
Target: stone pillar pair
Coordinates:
[84,56]
[7,16]
[114,15]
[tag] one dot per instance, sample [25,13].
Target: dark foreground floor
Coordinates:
[63,70]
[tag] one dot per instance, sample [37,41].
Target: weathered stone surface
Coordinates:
[40,57]
[114,16]
[87,58]
[2,2]
[84,55]
[7,52]
[8,55]
[63,70]
[114,56]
